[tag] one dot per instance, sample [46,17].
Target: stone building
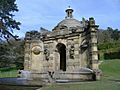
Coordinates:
[68,52]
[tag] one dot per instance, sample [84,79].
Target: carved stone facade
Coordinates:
[69,51]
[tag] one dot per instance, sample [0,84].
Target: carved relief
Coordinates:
[36,50]
[47,53]
[71,51]
[70,46]
[73,29]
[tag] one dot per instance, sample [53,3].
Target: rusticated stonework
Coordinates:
[69,51]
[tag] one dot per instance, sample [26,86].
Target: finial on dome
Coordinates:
[69,7]
[69,12]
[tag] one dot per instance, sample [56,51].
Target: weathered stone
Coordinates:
[59,54]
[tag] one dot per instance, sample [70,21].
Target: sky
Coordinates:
[34,14]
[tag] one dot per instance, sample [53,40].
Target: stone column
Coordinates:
[93,47]
[27,55]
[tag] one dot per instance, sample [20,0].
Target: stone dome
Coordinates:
[70,22]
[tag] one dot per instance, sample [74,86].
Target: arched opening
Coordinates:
[62,51]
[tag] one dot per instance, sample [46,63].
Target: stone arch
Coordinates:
[62,52]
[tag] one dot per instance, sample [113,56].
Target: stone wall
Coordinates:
[79,45]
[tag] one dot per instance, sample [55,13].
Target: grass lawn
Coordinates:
[97,85]
[110,79]
[111,69]
[7,87]
[8,73]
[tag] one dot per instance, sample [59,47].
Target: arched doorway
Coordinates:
[62,51]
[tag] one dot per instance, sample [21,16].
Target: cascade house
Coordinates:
[68,52]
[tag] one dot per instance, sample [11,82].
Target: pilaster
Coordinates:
[93,47]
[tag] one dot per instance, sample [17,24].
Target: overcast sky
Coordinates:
[34,14]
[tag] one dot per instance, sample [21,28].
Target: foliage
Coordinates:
[12,55]
[109,45]
[109,50]
[109,35]
[112,55]
[7,69]
[7,23]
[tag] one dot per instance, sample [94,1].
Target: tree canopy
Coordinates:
[12,55]
[7,22]
[108,35]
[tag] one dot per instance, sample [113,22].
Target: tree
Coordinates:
[116,34]
[7,22]
[4,61]
[12,55]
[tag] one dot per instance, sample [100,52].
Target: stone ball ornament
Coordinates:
[36,50]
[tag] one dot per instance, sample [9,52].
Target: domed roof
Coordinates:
[70,22]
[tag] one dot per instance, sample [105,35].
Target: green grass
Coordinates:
[111,69]
[97,85]
[110,79]
[8,73]
[10,87]
[111,73]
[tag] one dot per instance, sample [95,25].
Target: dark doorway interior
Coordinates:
[62,51]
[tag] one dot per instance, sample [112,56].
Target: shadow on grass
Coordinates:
[11,87]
